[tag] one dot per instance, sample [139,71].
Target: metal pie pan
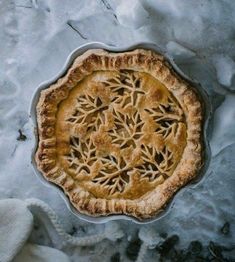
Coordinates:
[96,45]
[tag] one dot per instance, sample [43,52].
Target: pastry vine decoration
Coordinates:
[88,110]
[114,174]
[157,163]
[124,146]
[127,129]
[82,155]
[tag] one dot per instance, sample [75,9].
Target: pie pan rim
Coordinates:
[72,56]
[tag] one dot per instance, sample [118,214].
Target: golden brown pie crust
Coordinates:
[120,133]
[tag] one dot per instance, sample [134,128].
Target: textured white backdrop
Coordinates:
[36,36]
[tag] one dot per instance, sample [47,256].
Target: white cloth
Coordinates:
[38,253]
[15,226]
[16,223]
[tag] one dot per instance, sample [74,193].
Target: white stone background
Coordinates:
[35,40]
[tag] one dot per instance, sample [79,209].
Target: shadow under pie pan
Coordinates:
[202,95]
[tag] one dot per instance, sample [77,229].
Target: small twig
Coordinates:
[23,6]
[108,6]
[213,252]
[76,30]
[14,150]
[35,6]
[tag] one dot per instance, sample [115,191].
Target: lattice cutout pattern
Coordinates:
[125,131]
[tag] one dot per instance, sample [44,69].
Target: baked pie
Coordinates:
[120,133]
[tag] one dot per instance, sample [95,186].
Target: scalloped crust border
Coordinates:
[139,60]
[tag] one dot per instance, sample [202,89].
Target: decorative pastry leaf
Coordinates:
[81,156]
[127,130]
[167,116]
[122,123]
[113,175]
[88,111]
[156,163]
[127,88]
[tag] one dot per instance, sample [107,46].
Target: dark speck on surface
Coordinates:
[36,227]
[132,249]
[73,231]
[21,136]
[215,251]
[225,228]
[115,257]
[168,244]
[163,235]
[195,247]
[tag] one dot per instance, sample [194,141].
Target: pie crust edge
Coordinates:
[139,60]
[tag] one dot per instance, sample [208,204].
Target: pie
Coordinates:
[120,133]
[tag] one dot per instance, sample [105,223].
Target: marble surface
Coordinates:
[36,36]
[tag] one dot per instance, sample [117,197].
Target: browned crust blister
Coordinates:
[137,60]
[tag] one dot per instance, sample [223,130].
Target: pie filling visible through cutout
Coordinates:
[119,134]
[125,134]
